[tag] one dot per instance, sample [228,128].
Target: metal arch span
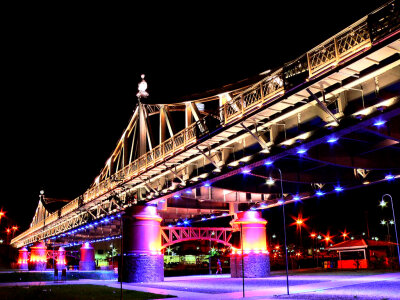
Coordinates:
[174,235]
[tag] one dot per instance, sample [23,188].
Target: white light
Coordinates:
[270,181]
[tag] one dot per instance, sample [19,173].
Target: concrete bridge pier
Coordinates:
[87,262]
[23,258]
[38,260]
[256,263]
[142,260]
[61,258]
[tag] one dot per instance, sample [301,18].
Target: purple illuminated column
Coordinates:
[61,258]
[23,258]
[87,262]
[38,260]
[142,260]
[255,253]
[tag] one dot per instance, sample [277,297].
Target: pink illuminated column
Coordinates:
[142,260]
[87,262]
[23,258]
[38,260]
[254,240]
[61,258]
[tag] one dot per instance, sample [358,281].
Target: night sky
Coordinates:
[70,78]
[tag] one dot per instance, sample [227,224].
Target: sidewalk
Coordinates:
[204,287]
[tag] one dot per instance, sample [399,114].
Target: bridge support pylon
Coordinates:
[38,260]
[254,259]
[61,258]
[23,258]
[87,262]
[143,260]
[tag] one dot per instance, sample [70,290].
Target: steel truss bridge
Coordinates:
[331,115]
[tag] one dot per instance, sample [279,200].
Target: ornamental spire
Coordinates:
[142,87]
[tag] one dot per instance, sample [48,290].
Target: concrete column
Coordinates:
[61,262]
[87,262]
[255,258]
[38,260]
[23,258]
[142,259]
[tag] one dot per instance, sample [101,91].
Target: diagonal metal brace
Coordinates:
[322,105]
[208,157]
[260,141]
[176,174]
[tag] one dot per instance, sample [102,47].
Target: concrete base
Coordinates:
[143,268]
[87,265]
[255,265]
[37,266]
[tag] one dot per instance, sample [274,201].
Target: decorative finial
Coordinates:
[142,87]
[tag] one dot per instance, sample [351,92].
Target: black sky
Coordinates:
[70,76]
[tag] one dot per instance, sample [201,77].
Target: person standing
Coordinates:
[219,267]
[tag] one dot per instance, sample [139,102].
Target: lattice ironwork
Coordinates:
[385,21]
[340,47]
[352,40]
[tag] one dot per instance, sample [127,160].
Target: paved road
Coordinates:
[381,286]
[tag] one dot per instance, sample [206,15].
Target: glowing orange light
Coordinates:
[345,234]
[2,213]
[313,235]
[8,230]
[299,221]
[327,238]
[14,228]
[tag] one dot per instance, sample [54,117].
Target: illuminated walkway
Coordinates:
[301,286]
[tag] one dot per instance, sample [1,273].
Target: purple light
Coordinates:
[179,223]
[379,123]
[319,193]
[332,140]
[296,198]
[203,218]
[170,225]
[338,188]
[212,217]
[207,184]
[281,201]
[301,151]
[186,222]
[246,171]
[176,196]
[253,208]
[268,162]
[188,192]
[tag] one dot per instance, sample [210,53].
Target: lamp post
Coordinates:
[282,201]
[394,223]
[2,214]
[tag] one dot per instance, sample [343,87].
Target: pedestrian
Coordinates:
[219,268]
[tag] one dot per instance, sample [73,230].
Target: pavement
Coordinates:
[316,286]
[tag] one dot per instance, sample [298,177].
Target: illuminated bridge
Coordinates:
[326,121]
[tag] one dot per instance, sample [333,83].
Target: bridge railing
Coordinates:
[340,47]
[255,96]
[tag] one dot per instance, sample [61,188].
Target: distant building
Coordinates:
[363,254]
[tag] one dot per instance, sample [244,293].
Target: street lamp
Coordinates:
[282,201]
[2,214]
[394,223]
